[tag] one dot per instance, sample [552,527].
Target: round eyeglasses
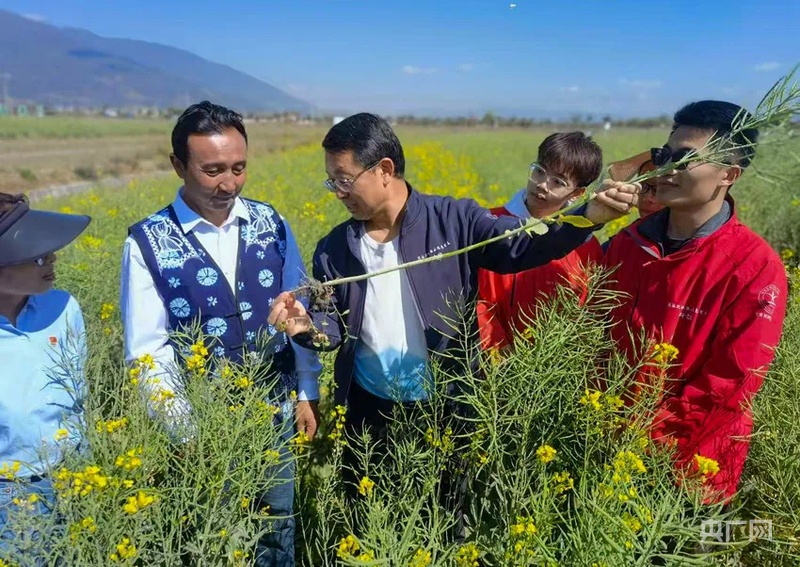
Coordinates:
[537,175]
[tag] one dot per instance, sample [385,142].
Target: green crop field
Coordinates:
[572,510]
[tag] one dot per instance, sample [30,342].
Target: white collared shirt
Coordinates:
[145,317]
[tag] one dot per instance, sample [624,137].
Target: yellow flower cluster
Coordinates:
[124,550]
[197,361]
[130,460]
[312,211]
[9,472]
[80,483]
[243,382]
[631,522]
[787,254]
[365,486]
[562,481]
[61,434]
[134,504]
[111,426]
[707,467]
[626,464]
[468,555]
[272,456]
[546,453]
[142,365]
[443,442]
[421,558]
[664,353]
[90,243]
[523,535]
[338,417]
[87,524]
[591,398]
[300,441]
[349,547]
[26,503]
[106,311]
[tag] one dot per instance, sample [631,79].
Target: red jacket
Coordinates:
[721,300]
[506,301]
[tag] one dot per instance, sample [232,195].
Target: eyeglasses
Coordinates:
[664,155]
[537,174]
[346,185]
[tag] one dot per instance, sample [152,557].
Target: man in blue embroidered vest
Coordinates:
[215,257]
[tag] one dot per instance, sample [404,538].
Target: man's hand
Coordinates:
[613,199]
[307,417]
[289,315]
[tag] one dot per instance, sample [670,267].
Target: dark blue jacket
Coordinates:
[443,290]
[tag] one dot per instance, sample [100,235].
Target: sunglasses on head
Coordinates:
[664,155]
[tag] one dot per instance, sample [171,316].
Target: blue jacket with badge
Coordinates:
[443,290]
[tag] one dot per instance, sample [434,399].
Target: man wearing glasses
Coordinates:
[389,328]
[697,278]
[567,163]
[212,256]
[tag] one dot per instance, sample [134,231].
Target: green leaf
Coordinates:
[537,227]
[575,220]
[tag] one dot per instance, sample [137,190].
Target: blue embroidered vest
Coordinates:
[194,288]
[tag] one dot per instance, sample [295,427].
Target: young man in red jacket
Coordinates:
[701,281]
[566,164]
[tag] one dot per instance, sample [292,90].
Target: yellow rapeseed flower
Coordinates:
[61,434]
[707,467]
[421,558]
[130,460]
[106,311]
[134,504]
[546,453]
[9,472]
[365,486]
[243,382]
[468,555]
[591,398]
[124,550]
[664,353]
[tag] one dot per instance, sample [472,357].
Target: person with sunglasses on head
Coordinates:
[215,258]
[389,329]
[43,352]
[697,278]
[567,163]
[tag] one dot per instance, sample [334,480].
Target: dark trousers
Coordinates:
[366,412]
[276,547]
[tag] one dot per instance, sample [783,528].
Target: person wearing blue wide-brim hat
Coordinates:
[42,355]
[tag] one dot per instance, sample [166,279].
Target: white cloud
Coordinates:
[571,89]
[466,67]
[414,70]
[641,83]
[767,66]
[34,17]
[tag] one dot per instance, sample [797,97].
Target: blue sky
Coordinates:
[537,58]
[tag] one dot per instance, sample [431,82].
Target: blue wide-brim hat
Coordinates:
[27,235]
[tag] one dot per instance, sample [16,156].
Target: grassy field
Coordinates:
[36,153]
[401,523]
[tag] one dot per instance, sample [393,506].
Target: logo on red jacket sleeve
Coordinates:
[767,300]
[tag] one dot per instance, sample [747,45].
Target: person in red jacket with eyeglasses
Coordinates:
[706,291]
[567,163]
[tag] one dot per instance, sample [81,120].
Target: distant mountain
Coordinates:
[74,67]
